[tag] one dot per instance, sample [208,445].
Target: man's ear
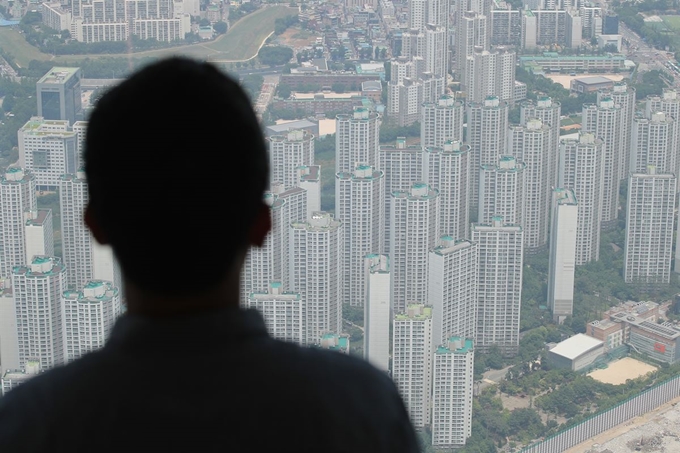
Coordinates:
[261,226]
[94,227]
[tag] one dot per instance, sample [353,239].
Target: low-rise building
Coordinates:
[608,331]
[590,84]
[576,353]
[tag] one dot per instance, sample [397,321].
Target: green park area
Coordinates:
[241,42]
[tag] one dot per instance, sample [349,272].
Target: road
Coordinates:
[492,377]
[647,57]
[266,94]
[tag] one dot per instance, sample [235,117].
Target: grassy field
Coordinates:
[672,22]
[240,43]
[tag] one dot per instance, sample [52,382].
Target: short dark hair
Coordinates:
[177,167]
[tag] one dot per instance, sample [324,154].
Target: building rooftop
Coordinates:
[40,217]
[575,346]
[58,75]
[448,245]
[455,345]
[594,80]
[415,312]
[565,196]
[277,129]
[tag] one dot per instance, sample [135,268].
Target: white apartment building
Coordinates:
[452,288]
[624,96]
[402,166]
[309,179]
[581,170]
[490,73]
[359,198]
[88,316]
[38,288]
[604,121]
[98,32]
[562,265]
[18,200]
[412,360]
[654,142]
[472,30]
[48,149]
[501,191]
[39,233]
[436,48]
[499,284]
[650,215]
[356,140]
[270,262]
[404,102]
[668,103]
[414,224]
[447,169]
[549,112]
[315,262]
[377,311]
[9,343]
[487,136]
[283,312]
[55,17]
[452,392]
[289,152]
[531,145]
[441,121]
[12,379]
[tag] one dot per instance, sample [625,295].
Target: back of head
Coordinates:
[176,166]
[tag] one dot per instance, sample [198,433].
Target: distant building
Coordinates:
[59,94]
[282,312]
[608,331]
[12,379]
[658,341]
[9,345]
[554,62]
[377,311]
[562,266]
[576,353]
[452,393]
[287,152]
[590,84]
[412,360]
[17,198]
[281,129]
[89,315]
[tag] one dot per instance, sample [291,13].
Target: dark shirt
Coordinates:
[206,383]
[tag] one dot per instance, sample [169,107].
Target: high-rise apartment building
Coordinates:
[624,96]
[59,95]
[549,112]
[39,232]
[649,227]
[668,103]
[447,169]
[414,225]
[356,140]
[270,262]
[404,102]
[531,145]
[359,198]
[562,265]
[654,142]
[315,262]
[402,166]
[507,26]
[289,152]
[487,135]
[18,201]
[490,73]
[581,167]
[377,311]
[283,312]
[436,48]
[441,121]
[472,30]
[309,179]
[452,288]
[48,149]
[604,121]
[38,289]
[499,284]
[412,360]
[9,345]
[501,191]
[452,392]
[89,315]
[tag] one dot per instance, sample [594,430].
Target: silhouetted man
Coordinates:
[176,167]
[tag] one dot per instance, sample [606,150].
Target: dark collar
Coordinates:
[186,331]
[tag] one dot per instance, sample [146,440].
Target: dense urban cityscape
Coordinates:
[476,196]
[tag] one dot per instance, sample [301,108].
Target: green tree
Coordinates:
[220,27]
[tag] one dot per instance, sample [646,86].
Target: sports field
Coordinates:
[619,371]
[241,42]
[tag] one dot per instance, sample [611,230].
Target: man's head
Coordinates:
[176,167]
